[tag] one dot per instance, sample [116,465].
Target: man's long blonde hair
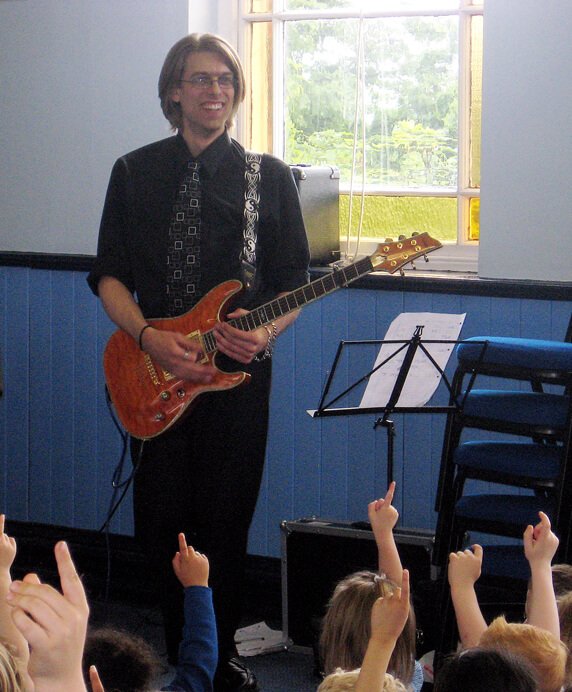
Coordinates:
[174,67]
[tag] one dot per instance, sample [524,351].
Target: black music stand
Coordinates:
[412,345]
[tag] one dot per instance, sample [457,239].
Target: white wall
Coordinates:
[526,214]
[79,88]
[215,16]
[79,85]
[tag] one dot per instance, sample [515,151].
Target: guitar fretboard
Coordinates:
[264,314]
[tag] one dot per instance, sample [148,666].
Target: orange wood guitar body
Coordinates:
[147,399]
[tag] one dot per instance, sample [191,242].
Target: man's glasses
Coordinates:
[205,81]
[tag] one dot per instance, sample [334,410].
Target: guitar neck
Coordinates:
[296,299]
[267,313]
[390,256]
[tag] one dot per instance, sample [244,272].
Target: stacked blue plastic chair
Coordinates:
[517,437]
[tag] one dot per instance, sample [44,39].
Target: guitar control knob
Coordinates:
[165,395]
[159,416]
[181,393]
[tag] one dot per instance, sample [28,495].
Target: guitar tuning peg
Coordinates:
[401,272]
[402,237]
[426,258]
[388,240]
[415,233]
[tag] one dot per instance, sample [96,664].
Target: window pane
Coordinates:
[410,98]
[260,6]
[476,100]
[408,92]
[370,5]
[388,217]
[474,218]
[259,97]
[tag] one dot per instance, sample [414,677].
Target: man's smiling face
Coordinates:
[204,109]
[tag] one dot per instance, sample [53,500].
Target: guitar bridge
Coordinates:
[151,369]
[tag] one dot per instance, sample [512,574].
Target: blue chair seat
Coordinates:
[525,464]
[505,561]
[526,354]
[518,408]
[489,509]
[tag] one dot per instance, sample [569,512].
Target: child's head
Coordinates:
[10,678]
[542,650]
[347,626]
[123,660]
[562,578]
[345,681]
[485,670]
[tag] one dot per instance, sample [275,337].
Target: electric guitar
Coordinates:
[148,400]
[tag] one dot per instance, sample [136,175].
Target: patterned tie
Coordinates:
[184,260]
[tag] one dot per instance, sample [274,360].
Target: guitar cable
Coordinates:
[117,484]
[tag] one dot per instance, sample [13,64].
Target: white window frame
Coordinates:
[460,257]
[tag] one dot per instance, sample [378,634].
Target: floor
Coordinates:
[287,670]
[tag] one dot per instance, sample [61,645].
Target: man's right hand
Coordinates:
[178,355]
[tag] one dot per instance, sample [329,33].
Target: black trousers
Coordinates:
[202,477]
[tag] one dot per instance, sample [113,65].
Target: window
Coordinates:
[390,93]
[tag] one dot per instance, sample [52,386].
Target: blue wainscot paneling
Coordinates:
[60,448]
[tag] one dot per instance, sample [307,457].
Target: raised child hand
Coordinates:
[7,547]
[465,566]
[389,613]
[54,624]
[540,543]
[95,680]
[382,514]
[191,568]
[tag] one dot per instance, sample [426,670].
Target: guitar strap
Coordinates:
[252,168]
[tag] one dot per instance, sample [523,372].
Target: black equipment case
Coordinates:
[319,189]
[317,553]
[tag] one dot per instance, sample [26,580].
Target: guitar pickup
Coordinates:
[197,337]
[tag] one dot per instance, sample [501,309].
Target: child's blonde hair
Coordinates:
[10,677]
[345,681]
[346,628]
[564,603]
[546,654]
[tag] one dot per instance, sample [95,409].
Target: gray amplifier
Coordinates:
[319,189]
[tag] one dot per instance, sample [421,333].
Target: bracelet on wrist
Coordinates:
[140,340]
[272,332]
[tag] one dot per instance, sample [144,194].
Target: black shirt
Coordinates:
[135,223]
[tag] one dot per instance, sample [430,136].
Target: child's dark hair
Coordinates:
[125,662]
[485,670]
[562,578]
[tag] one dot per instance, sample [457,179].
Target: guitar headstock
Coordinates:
[392,256]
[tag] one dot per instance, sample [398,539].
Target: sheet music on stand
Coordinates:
[423,377]
[407,371]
